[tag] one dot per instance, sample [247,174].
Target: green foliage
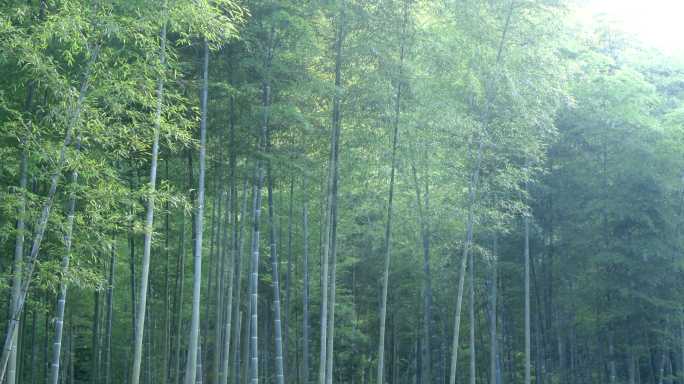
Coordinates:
[580,130]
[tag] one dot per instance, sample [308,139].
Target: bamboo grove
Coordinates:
[349,191]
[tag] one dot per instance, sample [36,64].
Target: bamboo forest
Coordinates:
[339,191]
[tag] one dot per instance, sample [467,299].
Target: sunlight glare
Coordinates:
[657,23]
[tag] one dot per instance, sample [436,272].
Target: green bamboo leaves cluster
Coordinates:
[398,162]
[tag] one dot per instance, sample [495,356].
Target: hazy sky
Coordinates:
[657,22]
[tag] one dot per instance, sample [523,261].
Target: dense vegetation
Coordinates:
[351,191]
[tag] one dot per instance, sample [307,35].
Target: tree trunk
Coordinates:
[427,277]
[234,262]
[178,299]
[528,356]
[443,353]
[167,299]
[631,371]
[493,347]
[335,168]
[279,375]
[34,348]
[18,257]
[573,354]
[110,318]
[131,263]
[220,255]
[538,340]
[21,225]
[471,309]
[198,364]
[681,340]
[562,374]
[149,219]
[288,279]
[243,366]
[256,209]
[388,226]
[395,374]
[223,375]
[238,286]
[193,345]
[72,355]
[305,290]
[414,362]
[95,367]
[66,360]
[464,261]
[214,257]
[333,277]
[326,355]
[472,191]
[41,223]
[612,372]
[61,301]
[46,346]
